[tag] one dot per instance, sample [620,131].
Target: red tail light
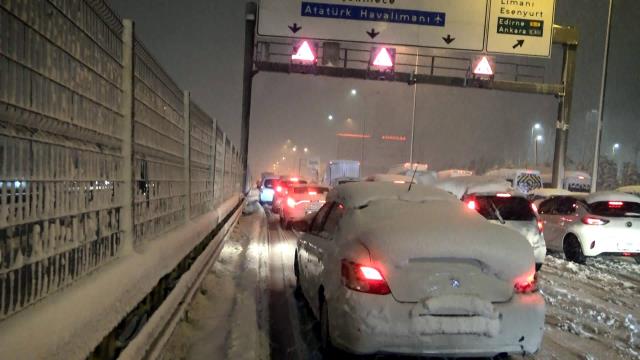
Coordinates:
[471,204]
[503,195]
[540,226]
[526,283]
[362,278]
[587,220]
[615,204]
[279,188]
[313,193]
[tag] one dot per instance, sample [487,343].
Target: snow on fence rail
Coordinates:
[66,191]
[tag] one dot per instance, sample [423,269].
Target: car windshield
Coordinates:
[615,209]
[504,208]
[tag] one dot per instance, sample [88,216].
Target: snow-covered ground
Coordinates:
[593,310]
[224,320]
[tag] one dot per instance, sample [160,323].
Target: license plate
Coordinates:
[626,245]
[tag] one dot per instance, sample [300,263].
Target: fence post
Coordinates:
[187,158]
[212,175]
[126,220]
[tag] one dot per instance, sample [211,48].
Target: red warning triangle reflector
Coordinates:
[483,67]
[383,59]
[304,53]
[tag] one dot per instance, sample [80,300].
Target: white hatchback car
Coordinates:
[606,223]
[513,210]
[388,270]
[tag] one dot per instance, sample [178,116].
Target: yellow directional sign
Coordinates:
[521,27]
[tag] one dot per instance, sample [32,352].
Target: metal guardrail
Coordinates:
[64,182]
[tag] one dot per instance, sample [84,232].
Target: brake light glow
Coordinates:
[503,195]
[363,278]
[295,179]
[526,283]
[471,205]
[534,208]
[615,204]
[313,193]
[399,182]
[279,188]
[370,273]
[587,220]
[540,226]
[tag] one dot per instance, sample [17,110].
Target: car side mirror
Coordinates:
[301,226]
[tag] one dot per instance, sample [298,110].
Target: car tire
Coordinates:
[538,266]
[326,347]
[297,292]
[573,250]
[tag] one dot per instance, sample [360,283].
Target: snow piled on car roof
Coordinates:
[361,193]
[611,196]
[474,184]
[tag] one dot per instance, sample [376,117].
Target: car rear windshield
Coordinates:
[317,190]
[508,208]
[268,183]
[615,208]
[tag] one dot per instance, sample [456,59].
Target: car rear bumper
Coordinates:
[600,244]
[539,253]
[370,324]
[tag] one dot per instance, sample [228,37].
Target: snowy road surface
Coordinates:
[245,311]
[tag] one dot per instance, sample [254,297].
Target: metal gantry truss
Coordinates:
[436,67]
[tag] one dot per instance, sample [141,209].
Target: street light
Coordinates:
[295,148]
[615,147]
[330,117]
[306,149]
[354,92]
[284,158]
[539,139]
[535,127]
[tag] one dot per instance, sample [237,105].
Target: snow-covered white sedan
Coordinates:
[602,223]
[387,270]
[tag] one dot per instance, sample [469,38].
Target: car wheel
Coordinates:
[296,271]
[573,250]
[325,335]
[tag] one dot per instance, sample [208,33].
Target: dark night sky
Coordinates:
[200,42]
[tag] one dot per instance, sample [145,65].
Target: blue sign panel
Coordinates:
[368,13]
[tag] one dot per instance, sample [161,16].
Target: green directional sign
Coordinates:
[524,27]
